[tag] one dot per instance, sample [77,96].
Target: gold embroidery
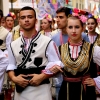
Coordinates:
[78,65]
[97,42]
[16,34]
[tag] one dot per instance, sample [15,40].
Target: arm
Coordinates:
[93,69]
[96,55]
[53,59]
[97,83]
[8,39]
[10,69]
[3,66]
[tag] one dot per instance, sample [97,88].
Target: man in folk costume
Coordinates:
[30,57]
[3,54]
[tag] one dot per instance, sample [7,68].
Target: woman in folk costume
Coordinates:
[9,21]
[95,81]
[46,25]
[91,26]
[27,65]
[77,57]
[93,36]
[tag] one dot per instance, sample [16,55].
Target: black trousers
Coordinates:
[2,96]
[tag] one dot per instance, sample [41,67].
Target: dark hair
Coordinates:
[75,17]
[93,19]
[1,13]
[28,8]
[9,16]
[65,10]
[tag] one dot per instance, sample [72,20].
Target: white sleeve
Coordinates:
[12,61]
[96,55]
[3,62]
[97,82]
[53,56]
[8,39]
[3,66]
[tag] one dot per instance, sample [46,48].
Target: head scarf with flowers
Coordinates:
[79,13]
[11,14]
[48,17]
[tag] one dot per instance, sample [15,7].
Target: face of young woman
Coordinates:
[45,24]
[74,30]
[9,22]
[91,25]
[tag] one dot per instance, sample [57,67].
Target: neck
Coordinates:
[8,28]
[48,30]
[30,33]
[92,33]
[75,41]
[64,31]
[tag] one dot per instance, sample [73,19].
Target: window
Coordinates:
[26,1]
[76,5]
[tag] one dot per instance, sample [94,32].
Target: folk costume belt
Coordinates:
[38,70]
[78,79]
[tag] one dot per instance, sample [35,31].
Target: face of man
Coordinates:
[61,20]
[27,20]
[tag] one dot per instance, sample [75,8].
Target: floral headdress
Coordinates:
[95,16]
[12,15]
[98,20]
[80,14]
[48,17]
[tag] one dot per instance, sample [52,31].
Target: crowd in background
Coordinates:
[75,42]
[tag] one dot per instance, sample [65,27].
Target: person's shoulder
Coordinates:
[42,32]
[3,29]
[84,34]
[57,32]
[16,41]
[17,27]
[45,37]
[54,32]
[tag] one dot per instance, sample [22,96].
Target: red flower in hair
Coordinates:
[12,15]
[75,10]
[82,12]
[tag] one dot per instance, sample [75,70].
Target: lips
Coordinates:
[27,24]
[74,35]
[90,28]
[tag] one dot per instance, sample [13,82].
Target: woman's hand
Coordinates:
[55,69]
[89,82]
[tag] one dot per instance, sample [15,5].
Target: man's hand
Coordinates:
[36,80]
[20,80]
[89,82]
